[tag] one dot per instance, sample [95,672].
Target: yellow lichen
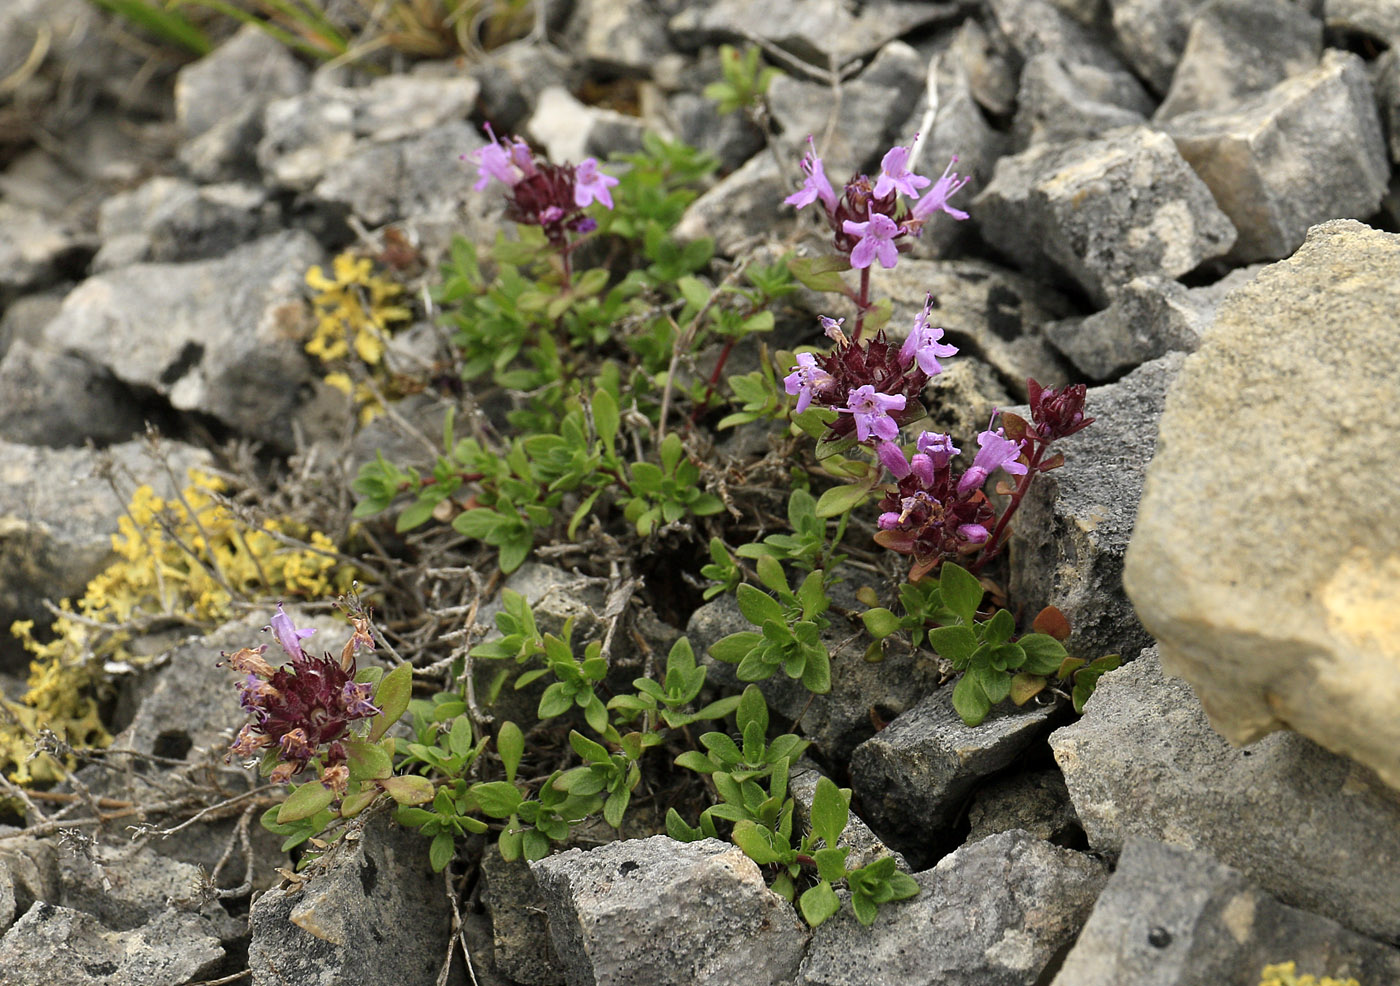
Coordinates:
[185,560]
[355,308]
[1285,974]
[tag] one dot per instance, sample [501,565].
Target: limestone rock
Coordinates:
[1037,802]
[619,36]
[1061,101]
[1308,150]
[1152,35]
[170,219]
[251,67]
[1379,19]
[994,913]
[1172,917]
[1310,645]
[1239,47]
[1313,829]
[628,914]
[1102,211]
[55,399]
[229,340]
[519,928]
[572,131]
[1072,530]
[864,844]
[742,209]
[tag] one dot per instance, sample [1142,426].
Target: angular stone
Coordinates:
[36,249]
[28,874]
[1072,530]
[229,340]
[308,135]
[742,209]
[1152,35]
[59,945]
[731,137]
[823,32]
[126,891]
[1061,101]
[618,36]
[1173,917]
[371,911]
[519,928]
[57,518]
[1035,27]
[250,68]
[1037,802]
[1379,19]
[864,844]
[1239,47]
[1308,150]
[1102,211]
[1313,829]
[1148,317]
[989,312]
[1311,645]
[512,78]
[912,777]
[840,720]
[986,60]
[874,108]
[626,914]
[571,130]
[169,219]
[1388,98]
[26,317]
[54,399]
[994,913]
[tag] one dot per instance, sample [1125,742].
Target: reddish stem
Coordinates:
[862,303]
[993,546]
[714,379]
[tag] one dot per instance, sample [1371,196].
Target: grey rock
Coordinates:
[1061,101]
[742,209]
[823,32]
[626,913]
[864,844]
[874,107]
[54,399]
[988,64]
[57,518]
[1072,530]
[250,69]
[228,343]
[126,891]
[36,249]
[994,913]
[1035,27]
[1388,98]
[28,874]
[1173,917]
[840,720]
[512,78]
[1102,211]
[1313,829]
[372,910]
[618,36]
[1377,19]
[913,777]
[1152,35]
[1148,317]
[989,312]
[1239,47]
[519,928]
[1308,150]
[731,137]
[308,135]
[169,219]
[1036,802]
[60,945]
[572,131]
[1306,646]
[26,317]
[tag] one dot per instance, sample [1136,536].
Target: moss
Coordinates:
[1285,974]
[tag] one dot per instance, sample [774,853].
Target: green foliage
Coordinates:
[722,570]
[790,625]
[806,547]
[670,698]
[667,492]
[745,81]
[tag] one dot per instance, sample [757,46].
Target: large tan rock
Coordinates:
[1266,555]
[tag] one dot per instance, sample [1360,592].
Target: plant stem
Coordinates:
[993,546]
[700,408]
[862,303]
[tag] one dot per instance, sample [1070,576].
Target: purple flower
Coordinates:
[895,176]
[806,379]
[871,411]
[832,327]
[506,163]
[892,458]
[923,346]
[815,186]
[995,451]
[973,533]
[591,185]
[357,699]
[936,446]
[945,188]
[287,634]
[888,521]
[876,240]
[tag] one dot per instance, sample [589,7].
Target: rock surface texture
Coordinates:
[1310,644]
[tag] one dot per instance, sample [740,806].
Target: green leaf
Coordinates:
[735,647]
[902,886]
[555,701]
[758,607]
[955,643]
[1043,653]
[677,828]
[366,760]
[392,696]
[829,812]
[606,419]
[816,673]
[696,761]
[499,799]
[408,790]
[1025,687]
[510,746]
[460,738]
[753,708]
[969,701]
[414,515]
[880,622]
[819,903]
[586,748]
[996,685]
[535,845]
[749,837]
[842,499]
[441,851]
[305,801]
[514,552]
[820,273]
[999,628]
[961,591]
[865,909]
[831,862]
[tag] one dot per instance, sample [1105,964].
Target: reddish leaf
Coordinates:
[1014,425]
[1054,462]
[1052,622]
[901,541]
